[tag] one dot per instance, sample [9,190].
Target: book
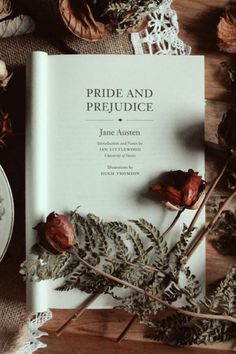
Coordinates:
[100,130]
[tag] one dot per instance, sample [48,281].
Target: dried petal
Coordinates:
[16,26]
[190,189]
[57,235]
[168,194]
[184,191]
[80,21]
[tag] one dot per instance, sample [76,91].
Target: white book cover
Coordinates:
[100,131]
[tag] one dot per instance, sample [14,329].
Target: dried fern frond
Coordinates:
[136,253]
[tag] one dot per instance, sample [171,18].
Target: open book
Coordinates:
[100,131]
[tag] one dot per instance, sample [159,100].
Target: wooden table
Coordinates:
[96,331]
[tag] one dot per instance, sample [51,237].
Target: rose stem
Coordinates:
[78,312]
[205,231]
[173,223]
[207,196]
[153,297]
[131,321]
[209,193]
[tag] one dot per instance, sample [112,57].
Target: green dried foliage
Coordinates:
[123,15]
[180,330]
[136,253]
[41,265]
[178,259]
[224,297]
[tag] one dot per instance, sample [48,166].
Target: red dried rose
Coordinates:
[227,130]
[5,126]
[57,234]
[184,190]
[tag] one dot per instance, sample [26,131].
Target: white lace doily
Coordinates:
[161,34]
[32,344]
[159,37]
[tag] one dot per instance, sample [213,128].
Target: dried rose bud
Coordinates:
[4,77]
[57,234]
[227,130]
[5,126]
[185,190]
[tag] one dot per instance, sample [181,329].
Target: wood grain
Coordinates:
[96,331]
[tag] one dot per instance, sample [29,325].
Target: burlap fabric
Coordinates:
[52,37]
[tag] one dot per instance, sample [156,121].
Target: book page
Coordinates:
[115,124]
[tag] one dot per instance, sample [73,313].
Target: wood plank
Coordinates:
[198,21]
[83,344]
[97,330]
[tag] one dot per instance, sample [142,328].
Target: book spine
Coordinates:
[36,165]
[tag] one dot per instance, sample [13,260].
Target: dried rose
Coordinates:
[227,130]
[5,126]
[185,190]
[4,77]
[227,28]
[57,234]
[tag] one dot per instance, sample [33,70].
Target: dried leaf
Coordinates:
[5,8]
[4,76]
[227,29]
[5,126]
[80,21]
[21,24]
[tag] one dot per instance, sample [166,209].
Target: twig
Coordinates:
[78,313]
[126,329]
[151,296]
[208,194]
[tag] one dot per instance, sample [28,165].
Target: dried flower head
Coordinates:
[227,28]
[183,190]
[4,77]
[5,8]
[227,130]
[129,15]
[57,234]
[5,126]
[78,17]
